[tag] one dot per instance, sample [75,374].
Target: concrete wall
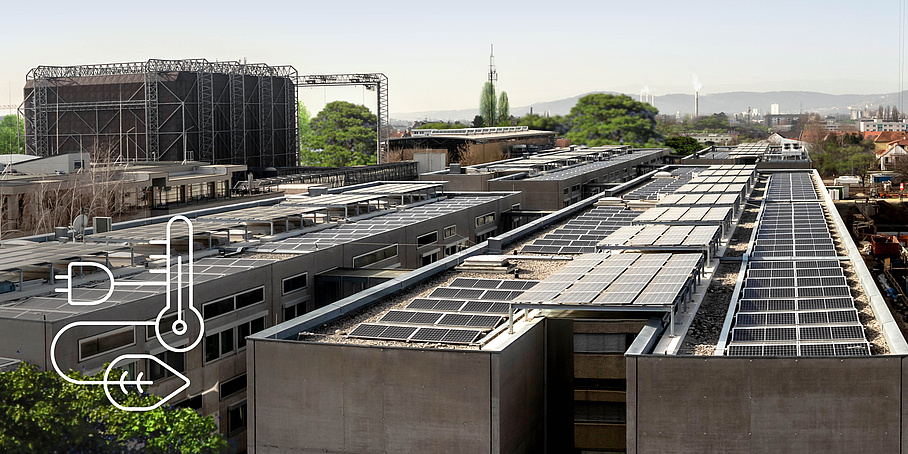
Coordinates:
[771,405]
[309,397]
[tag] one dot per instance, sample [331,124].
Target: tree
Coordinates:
[487,105]
[477,122]
[603,119]
[683,145]
[40,412]
[504,110]
[343,134]
[558,124]
[305,129]
[12,134]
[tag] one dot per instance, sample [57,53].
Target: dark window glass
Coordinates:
[216,308]
[232,386]
[250,297]
[292,284]
[106,342]
[226,341]
[236,419]
[172,359]
[211,347]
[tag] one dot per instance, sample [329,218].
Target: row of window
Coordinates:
[367,259]
[231,340]
[232,303]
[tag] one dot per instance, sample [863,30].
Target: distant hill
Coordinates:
[731,102]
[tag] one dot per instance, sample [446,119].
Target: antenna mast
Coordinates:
[493,74]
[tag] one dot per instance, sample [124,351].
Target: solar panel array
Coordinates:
[457,314]
[797,308]
[631,279]
[685,215]
[681,200]
[659,186]
[793,301]
[366,228]
[662,236]
[790,187]
[793,230]
[583,233]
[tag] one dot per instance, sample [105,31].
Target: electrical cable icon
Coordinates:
[172,282]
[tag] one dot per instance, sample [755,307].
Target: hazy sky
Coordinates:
[435,54]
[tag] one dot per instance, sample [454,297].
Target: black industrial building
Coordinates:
[165,110]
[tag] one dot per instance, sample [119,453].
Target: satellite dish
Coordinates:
[79,224]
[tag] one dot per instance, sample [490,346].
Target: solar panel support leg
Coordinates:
[510,319]
[671,320]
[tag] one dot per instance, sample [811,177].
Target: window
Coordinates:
[294,283]
[251,297]
[230,340]
[236,418]
[375,256]
[429,258]
[575,188]
[173,359]
[166,326]
[484,236]
[216,308]
[211,347]
[515,206]
[232,303]
[294,311]
[109,341]
[247,329]
[485,219]
[427,239]
[452,249]
[450,231]
[232,386]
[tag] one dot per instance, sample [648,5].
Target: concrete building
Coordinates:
[605,352]
[553,180]
[874,124]
[475,145]
[255,266]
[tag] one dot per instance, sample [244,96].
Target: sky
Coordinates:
[436,56]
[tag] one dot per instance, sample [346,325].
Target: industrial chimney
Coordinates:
[696,104]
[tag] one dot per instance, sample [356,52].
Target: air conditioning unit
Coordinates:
[102,224]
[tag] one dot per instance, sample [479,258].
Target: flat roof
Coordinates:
[21,256]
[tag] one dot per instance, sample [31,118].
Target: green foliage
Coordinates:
[343,134]
[487,108]
[603,119]
[442,125]
[10,141]
[477,122]
[305,128]
[39,412]
[683,145]
[849,154]
[558,124]
[504,110]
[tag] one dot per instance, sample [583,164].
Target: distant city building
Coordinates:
[879,125]
[781,122]
[774,109]
[716,139]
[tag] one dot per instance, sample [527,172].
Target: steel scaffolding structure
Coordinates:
[372,81]
[227,112]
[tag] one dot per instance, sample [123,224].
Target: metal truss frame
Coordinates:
[372,81]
